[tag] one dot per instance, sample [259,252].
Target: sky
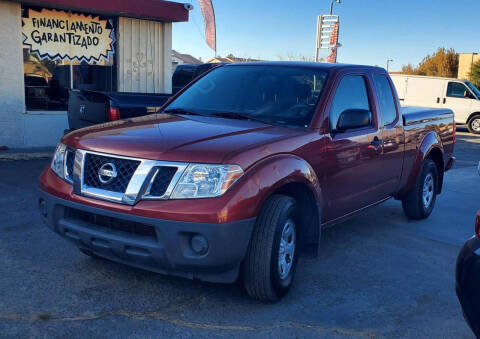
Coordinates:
[371,31]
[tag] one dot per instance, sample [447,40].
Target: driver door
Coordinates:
[353,156]
[459,99]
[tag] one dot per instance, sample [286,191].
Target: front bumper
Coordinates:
[467,276]
[450,163]
[163,246]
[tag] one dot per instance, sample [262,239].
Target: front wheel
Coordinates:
[419,202]
[474,124]
[271,259]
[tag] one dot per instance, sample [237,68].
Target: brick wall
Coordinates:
[465,64]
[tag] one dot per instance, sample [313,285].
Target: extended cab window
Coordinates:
[457,90]
[351,94]
[385,96]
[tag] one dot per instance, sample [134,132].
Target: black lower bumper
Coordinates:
[450,163]
[209,252]
[467,276]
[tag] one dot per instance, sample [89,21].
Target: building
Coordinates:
[183,59]
[465,62]
[49,47]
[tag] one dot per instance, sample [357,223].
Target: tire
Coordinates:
[266,276]
[473,124]
[416,205]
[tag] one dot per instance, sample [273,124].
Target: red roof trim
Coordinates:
[144,9]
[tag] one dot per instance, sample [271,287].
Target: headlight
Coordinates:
[58,161]
[206,181]
[62,162]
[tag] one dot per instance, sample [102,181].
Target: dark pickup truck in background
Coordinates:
[243,169]
[86,108]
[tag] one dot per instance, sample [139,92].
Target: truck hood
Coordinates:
[179,138]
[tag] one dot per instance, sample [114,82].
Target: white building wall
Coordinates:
[12,100]
[144,65]
[18,129]
[44,130]
[144,56]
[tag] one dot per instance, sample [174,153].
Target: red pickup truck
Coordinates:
[242,169]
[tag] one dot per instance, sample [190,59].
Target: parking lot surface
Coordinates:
[377,275]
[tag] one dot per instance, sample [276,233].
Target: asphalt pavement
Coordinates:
[377,275]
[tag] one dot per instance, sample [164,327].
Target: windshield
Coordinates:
[282,95]
[473,88]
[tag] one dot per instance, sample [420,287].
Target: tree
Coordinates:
[443,63]
[297,57]
[474,75]
[408,69]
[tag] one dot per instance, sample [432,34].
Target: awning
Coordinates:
[157,10]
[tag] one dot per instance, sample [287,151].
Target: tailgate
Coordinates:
[86,108]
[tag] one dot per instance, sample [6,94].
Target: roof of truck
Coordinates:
[319,65]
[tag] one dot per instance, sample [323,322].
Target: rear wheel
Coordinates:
[271,259]
[419,202]
[474,124]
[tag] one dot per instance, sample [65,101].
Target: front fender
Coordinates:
[262,179]
[428,143]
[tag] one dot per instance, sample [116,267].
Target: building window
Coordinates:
[48,79]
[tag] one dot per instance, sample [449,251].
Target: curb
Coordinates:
[24,156]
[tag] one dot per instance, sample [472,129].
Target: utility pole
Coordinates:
[388,63]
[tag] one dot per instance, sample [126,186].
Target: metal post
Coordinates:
[388,63]
[317,42]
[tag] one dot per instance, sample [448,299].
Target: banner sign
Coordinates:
[63,35]
[206,8]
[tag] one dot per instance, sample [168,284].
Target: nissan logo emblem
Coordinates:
[107,173]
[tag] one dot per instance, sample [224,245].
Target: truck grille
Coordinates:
[120,179]
[125,169]
[162,179]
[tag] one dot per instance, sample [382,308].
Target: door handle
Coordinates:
[375,144]
[444,100]
[438,100]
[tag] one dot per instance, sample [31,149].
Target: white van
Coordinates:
[460,96]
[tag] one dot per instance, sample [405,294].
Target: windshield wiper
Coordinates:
[180,111]
[238,116]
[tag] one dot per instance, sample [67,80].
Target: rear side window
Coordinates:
[351,94]
[387,103]
[457,90]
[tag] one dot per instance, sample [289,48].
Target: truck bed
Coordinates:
[86,108]
[414,115]
[420,123]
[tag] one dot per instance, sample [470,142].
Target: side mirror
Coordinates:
[354,118]
[469,95]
